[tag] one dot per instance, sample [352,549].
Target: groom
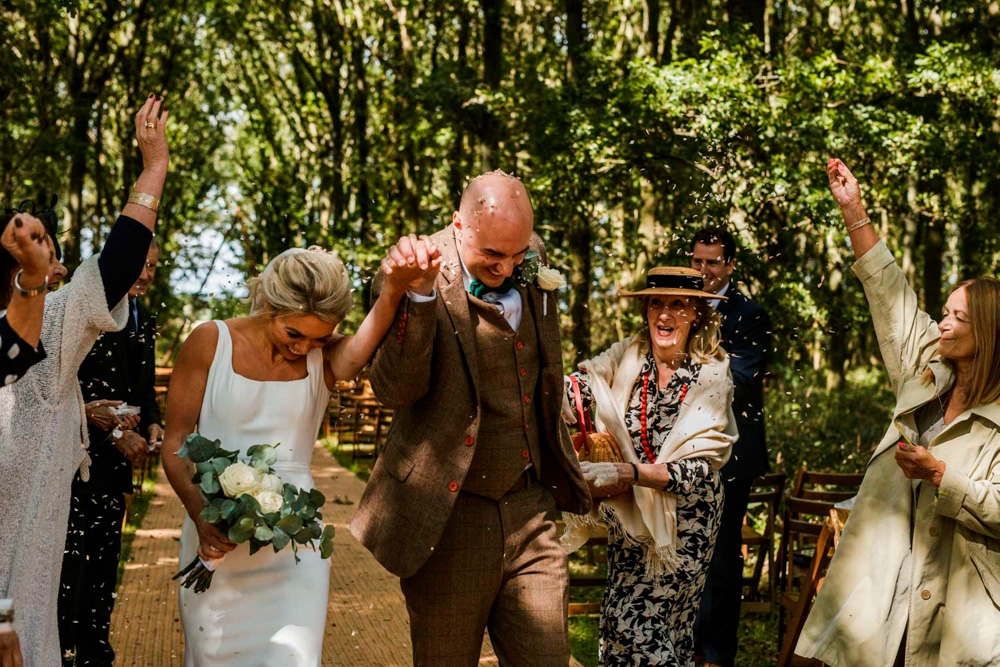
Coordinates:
[463,502]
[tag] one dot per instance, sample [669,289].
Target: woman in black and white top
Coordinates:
[25,246]
[43,438]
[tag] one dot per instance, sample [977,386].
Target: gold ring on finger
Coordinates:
[151,125]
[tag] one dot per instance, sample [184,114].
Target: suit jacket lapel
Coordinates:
[456,300]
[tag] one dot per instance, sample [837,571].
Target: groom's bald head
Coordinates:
[493,226]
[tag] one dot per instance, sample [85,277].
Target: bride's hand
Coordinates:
[212,543]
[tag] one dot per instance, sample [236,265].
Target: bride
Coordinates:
[262,379]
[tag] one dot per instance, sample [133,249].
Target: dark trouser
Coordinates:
[499,566]
[89,572]
[718,625]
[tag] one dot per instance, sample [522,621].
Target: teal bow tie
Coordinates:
[478,288]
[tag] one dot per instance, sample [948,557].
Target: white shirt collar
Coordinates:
[722,292]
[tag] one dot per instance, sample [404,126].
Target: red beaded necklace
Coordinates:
[644,432]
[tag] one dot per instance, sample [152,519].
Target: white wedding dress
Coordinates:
[262,610]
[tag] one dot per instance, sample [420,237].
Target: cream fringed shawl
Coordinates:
[705,428]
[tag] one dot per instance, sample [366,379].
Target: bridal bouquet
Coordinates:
[249,502]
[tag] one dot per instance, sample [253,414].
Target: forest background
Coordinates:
[346,123]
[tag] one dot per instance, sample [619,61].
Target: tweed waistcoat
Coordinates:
[508,435]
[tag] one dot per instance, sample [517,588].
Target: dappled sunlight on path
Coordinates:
[367,623]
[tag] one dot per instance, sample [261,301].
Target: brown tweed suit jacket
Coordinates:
[427,370]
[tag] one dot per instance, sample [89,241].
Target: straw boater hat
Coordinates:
[674,281]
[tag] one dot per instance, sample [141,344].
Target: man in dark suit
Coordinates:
[463,502]
[119,370]
[746,335]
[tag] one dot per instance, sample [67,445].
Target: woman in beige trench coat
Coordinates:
[916,578]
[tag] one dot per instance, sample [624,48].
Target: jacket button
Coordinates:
[527,399]
[933,531]
[520,345]
[469,441]
[925,594]
[523,372]
[525,453]
[453,486]
[527,427]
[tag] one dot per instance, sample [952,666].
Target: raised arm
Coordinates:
[400,273]
[401,370]
[124,252]
[907,336]
[24,239]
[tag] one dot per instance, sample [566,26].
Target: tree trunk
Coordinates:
[580,233]
[747,12]
[933,266]
[456,156]
[361,144]
[492,75]
[651,26]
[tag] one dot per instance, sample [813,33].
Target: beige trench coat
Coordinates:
[940,583]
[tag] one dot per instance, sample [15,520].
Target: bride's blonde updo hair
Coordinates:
[302,282]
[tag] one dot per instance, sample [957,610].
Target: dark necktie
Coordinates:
[133,322]
[478,288]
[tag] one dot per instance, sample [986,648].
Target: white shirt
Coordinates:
[722,292]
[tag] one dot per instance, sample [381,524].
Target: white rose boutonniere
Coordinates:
[240,478]
[549,279]
[531,270]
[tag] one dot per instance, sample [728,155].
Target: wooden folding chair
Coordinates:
[599,539]
[813,497]
[811,585]
[765,496]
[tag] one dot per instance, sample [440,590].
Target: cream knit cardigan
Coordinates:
[43,442]
[705,428]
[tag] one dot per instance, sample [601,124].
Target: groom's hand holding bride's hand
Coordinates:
[412,264]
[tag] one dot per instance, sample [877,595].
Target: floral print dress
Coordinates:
[649,621]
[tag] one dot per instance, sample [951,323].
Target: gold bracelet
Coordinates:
[859,224]
[7,615]
[144,200]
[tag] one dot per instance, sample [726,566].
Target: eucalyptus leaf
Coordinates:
[200,449]
[265,454]
[316,498]
[291,524]
[263,533]
[242,530]
[210,514]
[280,539]
[227,508]
[209,484]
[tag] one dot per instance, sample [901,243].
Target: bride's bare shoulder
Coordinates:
[199,348]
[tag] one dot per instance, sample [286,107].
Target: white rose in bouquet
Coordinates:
[270,502]
[549,279]
[239,478]
[271,482]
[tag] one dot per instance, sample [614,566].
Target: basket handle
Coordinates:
[584,418]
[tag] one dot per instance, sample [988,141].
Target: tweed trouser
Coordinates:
[499,566]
